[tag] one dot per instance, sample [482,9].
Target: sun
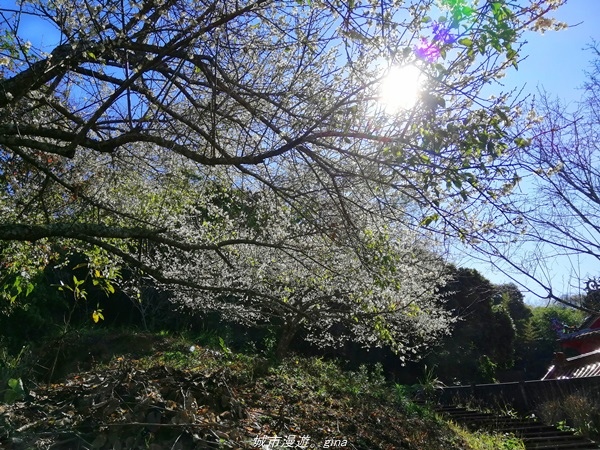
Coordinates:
[400,87]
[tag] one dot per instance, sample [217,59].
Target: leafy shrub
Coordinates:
[12,369]
[331,380]
[32,318]
[486,441]
[15,391]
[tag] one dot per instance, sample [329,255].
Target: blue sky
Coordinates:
[556,62]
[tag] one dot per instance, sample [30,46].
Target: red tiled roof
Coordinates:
[586,365]
[580,334]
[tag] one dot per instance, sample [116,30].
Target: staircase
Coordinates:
[534,434]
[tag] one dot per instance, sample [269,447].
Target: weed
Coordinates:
[563,426]
[177,359]
[226,351]
[485,441]
[12,369]
[207,337]
[330,380]
[426,390]
[270,343]
[10,365]
[15,391]
[575,412]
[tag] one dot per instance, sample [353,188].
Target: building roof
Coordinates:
[592,321]
[586,365]
[580,334]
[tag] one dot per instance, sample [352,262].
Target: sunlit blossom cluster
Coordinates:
[387,292]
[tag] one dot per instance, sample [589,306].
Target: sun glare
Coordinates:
[400,88]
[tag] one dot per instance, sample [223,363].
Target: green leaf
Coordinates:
[429,220]
[467,42]
[467,11]
[13,383]
[522,142]
[97,315]
[15,391]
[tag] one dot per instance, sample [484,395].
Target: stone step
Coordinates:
[535,435]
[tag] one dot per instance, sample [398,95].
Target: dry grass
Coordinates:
[576,411]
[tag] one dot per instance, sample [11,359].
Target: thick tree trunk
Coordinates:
[288,333]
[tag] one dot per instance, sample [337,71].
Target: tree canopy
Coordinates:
[239,151]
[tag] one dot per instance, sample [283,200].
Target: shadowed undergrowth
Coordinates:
[179,393]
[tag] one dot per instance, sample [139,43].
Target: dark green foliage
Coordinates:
[592,300]
[498,337]
[34,317]
[512,299]
[538,341]
[482,340]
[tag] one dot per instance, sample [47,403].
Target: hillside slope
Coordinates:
[178,395]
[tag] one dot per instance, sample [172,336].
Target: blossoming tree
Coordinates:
[140,135]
